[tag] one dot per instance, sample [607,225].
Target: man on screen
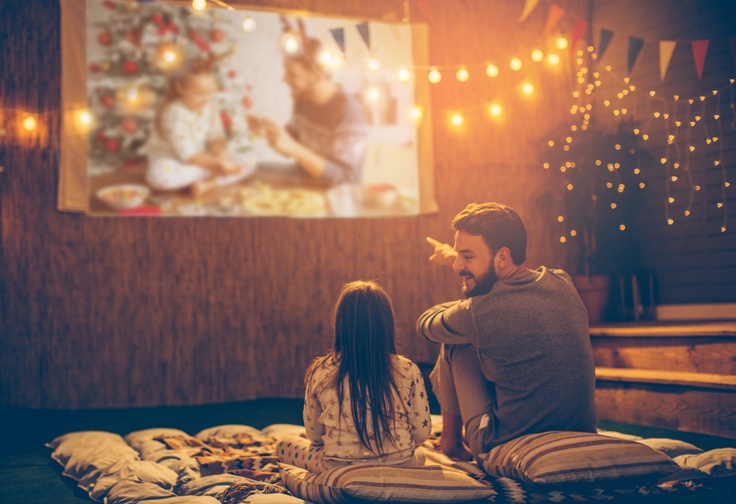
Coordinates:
[327,132]
[516,357]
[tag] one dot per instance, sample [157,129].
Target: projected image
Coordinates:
[248,113]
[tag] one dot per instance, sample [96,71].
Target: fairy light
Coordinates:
[537,55]
[492,70]
[199,5]
[515,64]
[403,74]
[457,119]
[527,88]
[249,24]
[553,59]
[496,110]
[561,43]
[30,123]
[415,113]
[462,74]
[373,65]
[434,75]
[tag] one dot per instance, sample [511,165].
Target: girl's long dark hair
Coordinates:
[364,346]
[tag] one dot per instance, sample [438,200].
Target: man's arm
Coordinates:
[450,323]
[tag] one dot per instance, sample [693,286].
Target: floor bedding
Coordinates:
[236,463]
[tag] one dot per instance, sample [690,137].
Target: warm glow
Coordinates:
[515,64]
[573,232]
[403,75]
[560,218]
[325,58]
[30,123]
[373,94]
[670,221]
[537,55]
[527,88]
[563,239]
[290,43]
[457,119]
[85,117]
[553,59]
[199,5]
[561,43]
[495,109]
[462,74]
[169,56]
[415,113]
[249,24]
[434,75]
[491,70]
[373,64]
[622,227]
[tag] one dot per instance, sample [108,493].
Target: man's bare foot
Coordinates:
[454,450]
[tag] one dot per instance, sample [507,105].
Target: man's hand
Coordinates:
[279,139]
[444,254]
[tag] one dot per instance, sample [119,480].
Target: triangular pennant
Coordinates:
[635,45]
[339,35]
[426,10]
[553,17]
[732,44]
[606,36]
[365,33]
[700,49]
[528,8]
[666,48]
[578,28]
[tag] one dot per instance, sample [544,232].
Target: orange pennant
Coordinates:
[578,29]
[555,14]
[528,8]
[666,48]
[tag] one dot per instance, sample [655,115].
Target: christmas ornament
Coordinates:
[216,35]
[157,18]
[108,101]
[94,68]
[112,145]
[105,66]
[104,38]
[130,67]
[110,5]
[129,125]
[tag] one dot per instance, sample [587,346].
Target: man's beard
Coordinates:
[483,284]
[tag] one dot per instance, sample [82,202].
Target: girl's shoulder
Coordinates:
[321,369]
[405,365]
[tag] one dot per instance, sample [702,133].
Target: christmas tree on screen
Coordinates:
[133,48]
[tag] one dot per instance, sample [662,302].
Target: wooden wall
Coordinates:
[691,259]
[101,312]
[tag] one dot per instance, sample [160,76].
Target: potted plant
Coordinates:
[596,187]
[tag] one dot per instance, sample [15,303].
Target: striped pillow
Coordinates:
[574,457]
[428,484]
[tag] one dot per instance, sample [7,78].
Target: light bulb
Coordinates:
[30,123]
[527,88]
[457,119]
[199,5]
[553,59]
[434,75]
[515,64]
[415,113]
[537,55]
[373,64]
[491,70]
[403,75]
[561,43]
[495,109]
[249,24]
[462,74]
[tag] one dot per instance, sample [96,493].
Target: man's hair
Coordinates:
[499,225]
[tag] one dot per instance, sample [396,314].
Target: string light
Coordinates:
[527,88]
[495,109]
[492,70]
[403,75]
[457,119]
[537,55]
[462,74]
[249,24]
[199,5]
[553,59]
[515,64]
[30,123]
[561,43]
[434,75]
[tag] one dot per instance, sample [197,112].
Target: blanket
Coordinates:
[234,464]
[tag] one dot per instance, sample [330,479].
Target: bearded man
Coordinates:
[516,356]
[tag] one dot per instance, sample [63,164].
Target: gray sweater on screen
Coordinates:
[533,343]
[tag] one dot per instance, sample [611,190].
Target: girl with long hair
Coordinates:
[364,403]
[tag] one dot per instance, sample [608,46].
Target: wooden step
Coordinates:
[697,380]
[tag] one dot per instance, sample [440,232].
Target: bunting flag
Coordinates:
[666,48]
[606,36]
[528,8]
[364,32]
[339,35]
[700,49]
[555,14]
[732,44]
[578,29]
[635,45]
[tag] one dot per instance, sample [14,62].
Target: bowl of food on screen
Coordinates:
[123,196]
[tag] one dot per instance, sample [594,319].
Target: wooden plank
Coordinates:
[725,329]
[699,355]
[670,407]
[674,378]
